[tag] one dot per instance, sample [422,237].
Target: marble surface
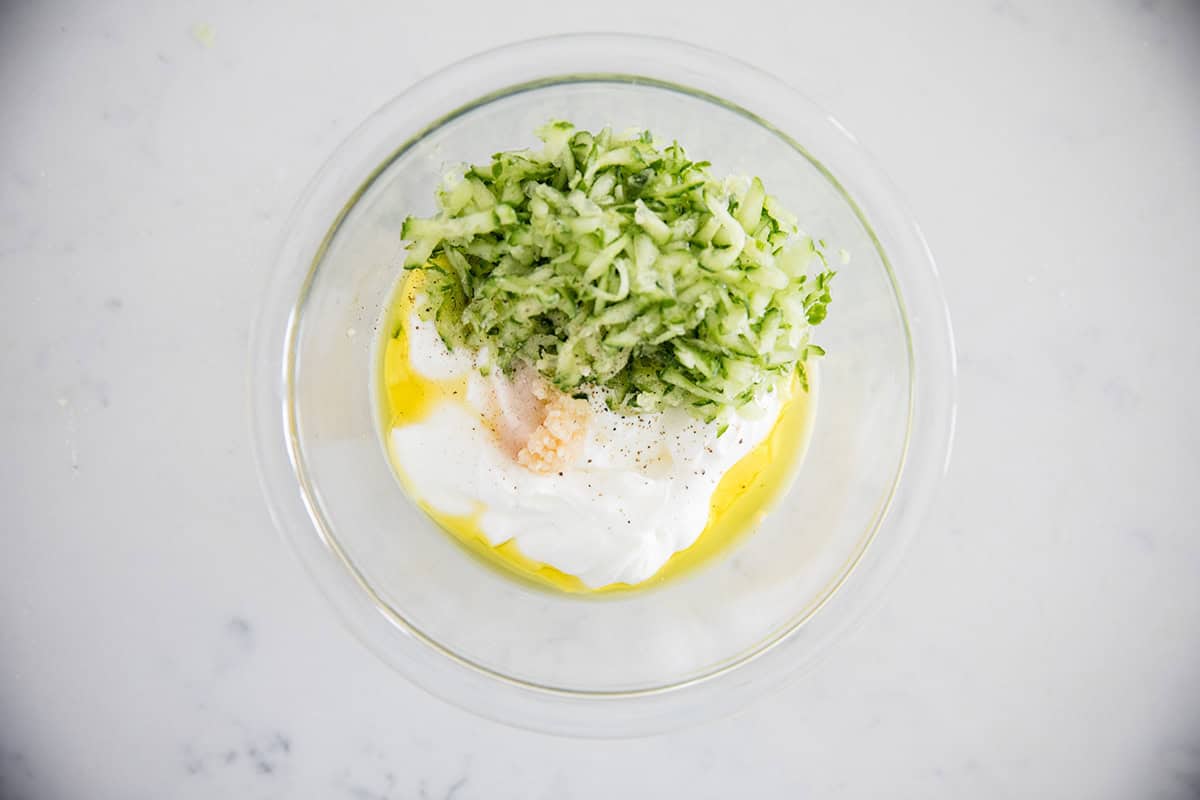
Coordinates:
[158,639]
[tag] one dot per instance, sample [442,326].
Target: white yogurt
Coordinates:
[640,492]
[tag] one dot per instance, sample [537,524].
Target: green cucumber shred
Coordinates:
[613,261]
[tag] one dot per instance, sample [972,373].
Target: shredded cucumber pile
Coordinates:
[607,260]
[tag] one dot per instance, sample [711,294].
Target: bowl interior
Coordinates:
[770,583]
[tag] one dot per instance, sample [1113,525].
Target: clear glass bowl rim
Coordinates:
[470,84]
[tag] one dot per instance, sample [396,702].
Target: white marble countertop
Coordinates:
[157,637]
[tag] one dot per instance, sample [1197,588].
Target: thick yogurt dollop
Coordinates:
[640,491]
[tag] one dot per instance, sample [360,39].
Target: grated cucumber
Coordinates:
[607,260]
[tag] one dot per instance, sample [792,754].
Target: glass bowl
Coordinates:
[637,662]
